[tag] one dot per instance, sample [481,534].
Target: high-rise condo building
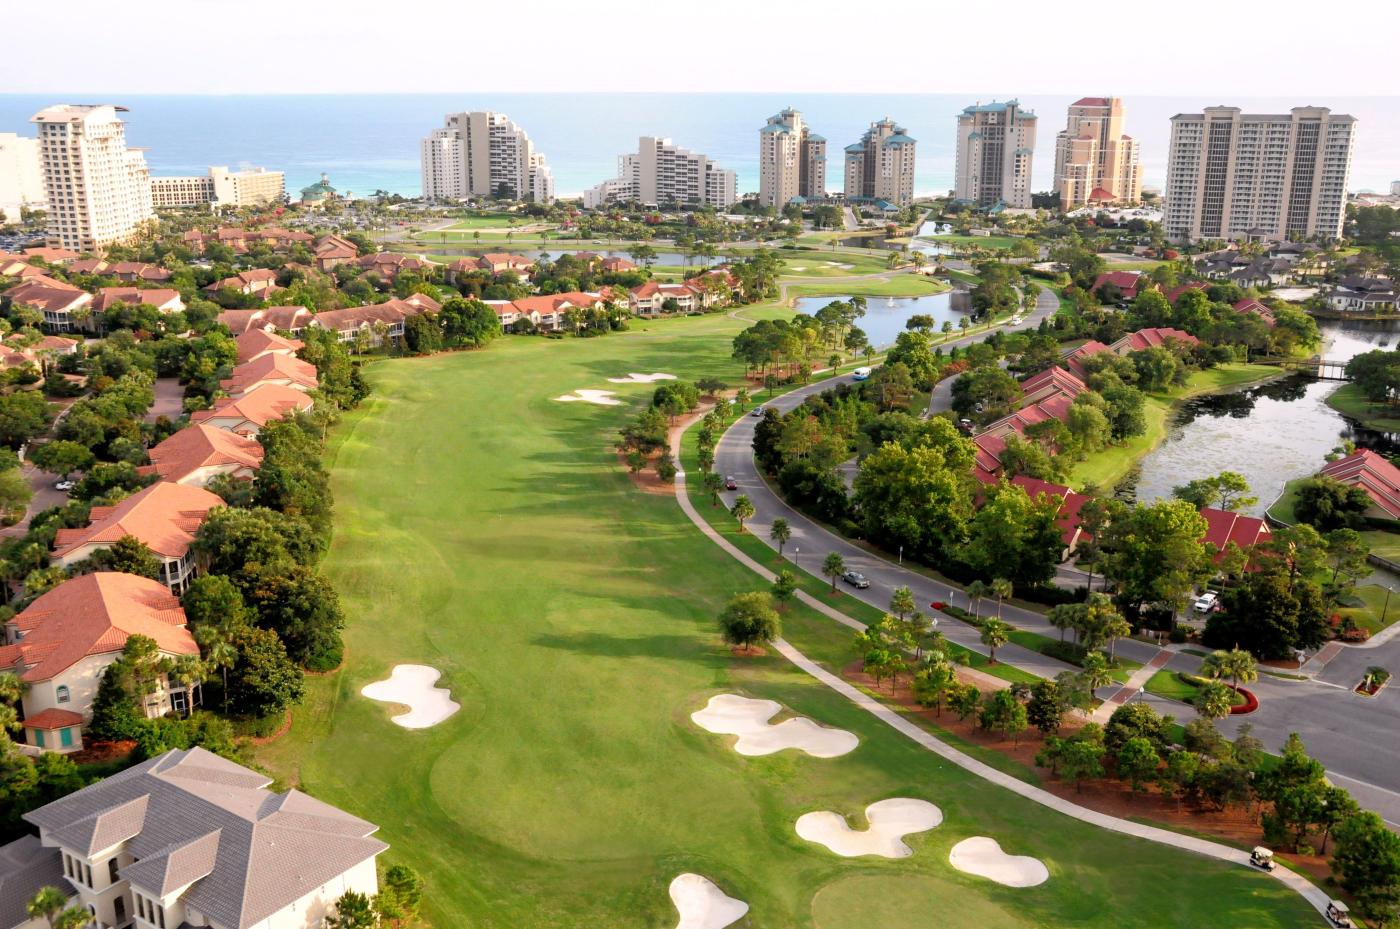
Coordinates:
[791,161]
[1095,161]
[996,149]
[220,187]
[482,154]
[881,165]
[98,190]
[661,172]
[1234,175]
[21,176]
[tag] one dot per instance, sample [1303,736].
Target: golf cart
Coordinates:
[1337,912]
[1262,858]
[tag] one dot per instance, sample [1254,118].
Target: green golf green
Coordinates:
[486,530]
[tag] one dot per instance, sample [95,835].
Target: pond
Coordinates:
[885,316]
[1271,433]
[663,259]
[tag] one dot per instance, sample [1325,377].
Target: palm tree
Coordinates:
[1094,671]
[742,510]
[714,484]
[975,592]
[833,567]
[1236,664]
[1001,589]
[75,917]
[902,602]
[221,653]
[995,634]
[780,532]
[1213,701]
[46,904]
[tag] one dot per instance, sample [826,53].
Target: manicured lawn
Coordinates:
[486,530]
[1106,468]
[828,264]
[986,241]
[1350,402]
[1180,687]
[898,285]
[491,221]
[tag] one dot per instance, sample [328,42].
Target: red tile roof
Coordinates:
[51,255]
[1153,338]
[156,297]
[256,342]
[1224,527]
[94,614]
[1067,518]
[287,318]
[200,446]
[1075,359]
[1373,474]
[1056,378]
[53,718]
[269,369]
[259,407]
[164,516]
[1250,305]
[1125,281]
[1175,293]
[1091,101]
[47,295]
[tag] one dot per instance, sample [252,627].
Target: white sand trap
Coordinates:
[798,268]
[412,686]
[890,820]
[731,714]
[702,905]
[640,379]
[600,397]
[983,857]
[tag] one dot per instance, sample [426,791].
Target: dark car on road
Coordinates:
[855,579]
[730,483]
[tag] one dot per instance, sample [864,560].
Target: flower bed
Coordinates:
[1251,703]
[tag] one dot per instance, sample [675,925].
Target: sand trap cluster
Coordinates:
[983,857]
[412,686]
[731,714]
[890,820]
[702,905]
[600,397]
[837,264]
[640,379]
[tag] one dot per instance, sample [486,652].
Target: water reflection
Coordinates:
[664,259]
[885,316]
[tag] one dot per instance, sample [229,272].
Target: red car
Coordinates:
[730,483]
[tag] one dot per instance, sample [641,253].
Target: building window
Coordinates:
[87,874]
[63,694]
[112,870]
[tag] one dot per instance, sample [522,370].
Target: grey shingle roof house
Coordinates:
[190,837]
[25,867]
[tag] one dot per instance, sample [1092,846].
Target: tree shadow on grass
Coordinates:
[679,647]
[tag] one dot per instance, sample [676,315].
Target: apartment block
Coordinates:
[220,187]
[791,161]
[662,172]
[98,190]
[881,165]
[483,154]
[1235,175]
[21,176]
[1095,160]
[996,151]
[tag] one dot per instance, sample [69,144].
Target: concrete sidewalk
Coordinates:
[1132,686]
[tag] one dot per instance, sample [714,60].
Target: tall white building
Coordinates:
[1095,160]
[98,190]
[1234,175]
[881,165]
[483,154]
[791,161]
[996,149]
[21,176]
[662,172]
[220,187]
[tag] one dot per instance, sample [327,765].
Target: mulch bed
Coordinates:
[103,752]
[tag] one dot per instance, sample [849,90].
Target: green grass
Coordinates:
[800,264]
[500,221]
[986,241]
[1175,685]
[897,285]
[488,531]
[1106,468]
[1351,403]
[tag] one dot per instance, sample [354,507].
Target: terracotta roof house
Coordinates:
[648,299]
[332,250]
[457,267]
[1175,293]
[88,266]
[191,839]
[1373,474]
[198,453]
[246,415]
[987,457]
[1126,281]
[1067,518]
[389,265]
[26,867]
[378,323]
[136,271]
[547,311]
[617,265]
[53,256]
[62,642]
[498,262]
[254,343]
[11,265]
[1224,527]
[1049,382]
[55,299]
[293,319]
[1250,305]
[1074,359]
[167,301]
[165,516]
[240,240]
[267,370]
[1151,338]
[256,281]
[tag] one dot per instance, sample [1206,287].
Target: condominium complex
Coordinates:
[220,187]
[996,148]
[662,172]
[1234,175]
[881,165]
[21,176]
[791,161]
[98,190]
[482,154]
[1095,161]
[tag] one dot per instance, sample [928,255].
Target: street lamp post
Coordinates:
[1385,608]
[901,561]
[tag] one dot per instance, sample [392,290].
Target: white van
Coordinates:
[861,374]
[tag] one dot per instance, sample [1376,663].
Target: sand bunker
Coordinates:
[640,379]
[731,714]
[890,820]
[600,397]
[983,857]
[702,905]
[412,686]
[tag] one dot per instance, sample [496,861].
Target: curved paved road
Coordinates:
[1353,736]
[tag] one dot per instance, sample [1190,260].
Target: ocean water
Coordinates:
[368,142]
